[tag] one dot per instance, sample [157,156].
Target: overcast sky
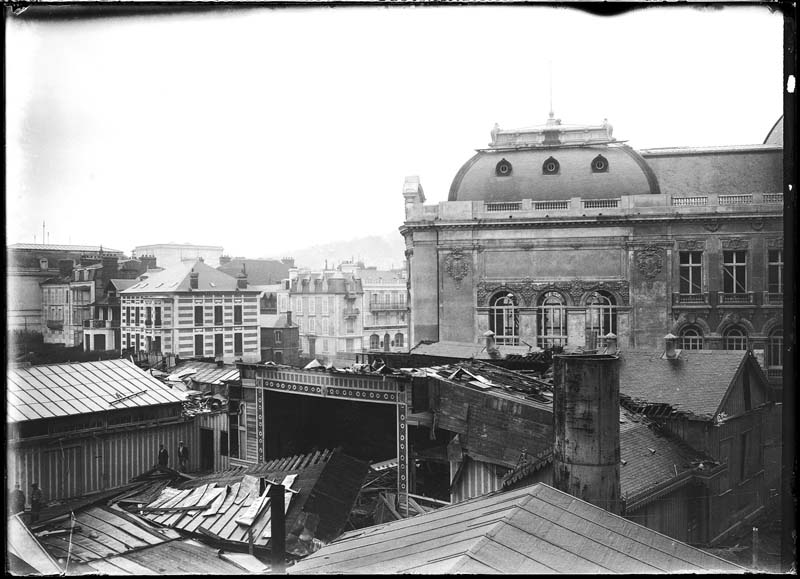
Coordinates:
[264,130]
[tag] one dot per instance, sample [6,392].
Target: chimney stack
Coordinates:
[289,318]
[194,278]
[148,262]
[241,279]
[670,352]
[586,454]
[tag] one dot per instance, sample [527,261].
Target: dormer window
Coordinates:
[503,168]
[599,164]
[550,167]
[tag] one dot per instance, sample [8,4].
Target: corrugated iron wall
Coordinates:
[218,423]
[476,479]
[102,461]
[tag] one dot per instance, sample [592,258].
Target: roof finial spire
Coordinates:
[551,89]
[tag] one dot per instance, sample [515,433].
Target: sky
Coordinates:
[263,130]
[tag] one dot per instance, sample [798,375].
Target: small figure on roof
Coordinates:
[163,455]
[183,456]
[16,501]
[36,502]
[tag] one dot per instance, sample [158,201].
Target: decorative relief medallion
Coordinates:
[650,261]
[757,224]
[457,266]
[692,244]
[735,243]
[712,226]
[775,243]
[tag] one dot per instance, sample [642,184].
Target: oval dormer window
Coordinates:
[503,168]
[550,167]
[599,164]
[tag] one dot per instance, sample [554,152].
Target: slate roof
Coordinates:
[56,390]
[176,279]
[535,529]
[696,382]
[259,271]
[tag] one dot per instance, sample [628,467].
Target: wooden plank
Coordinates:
[139,526]
[216,523]
[190,500]
[116,534]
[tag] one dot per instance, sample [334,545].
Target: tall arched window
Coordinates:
[774,353]
[735,339]
[504,319]
[552,321]
[691,338]
[374,342]
[398,340]
[601,316]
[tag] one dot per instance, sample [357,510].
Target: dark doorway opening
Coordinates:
[206,449]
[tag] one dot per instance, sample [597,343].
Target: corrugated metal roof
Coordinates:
[695,383]
[58,390]
[536,529]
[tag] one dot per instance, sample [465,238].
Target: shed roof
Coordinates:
[535,529]
[695,382]
[57,390]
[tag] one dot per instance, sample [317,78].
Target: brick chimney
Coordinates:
[241,279]
[194,278]
[289,318]
[287,261]
[223,259]
[586,454]
[148,262]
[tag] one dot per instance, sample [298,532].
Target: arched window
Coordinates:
[374,342]
[735,339]
[601,316]
[386,340]
[691,338]
[398,340]
[552,321]
[774,353]
[550,166]
[504,318]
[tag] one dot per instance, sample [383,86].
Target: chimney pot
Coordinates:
[611,343]
[669,346]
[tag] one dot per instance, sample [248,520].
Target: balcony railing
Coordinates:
[384,307]
[690,299]
[686,201]
[510,206]
[773,197]
[351,312]
[600,203]
[100,324]
[773,299]
[735,199]
[56,325]
[550,205]
[736,298]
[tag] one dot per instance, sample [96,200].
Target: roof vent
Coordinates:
[670,352]
[611,344]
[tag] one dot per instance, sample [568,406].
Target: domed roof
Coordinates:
[553,162]
[775,136]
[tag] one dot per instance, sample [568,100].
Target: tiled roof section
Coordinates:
[649,460]
[695,383]
[535,529]
[57,390]
[59,247]
[177,279]
[259,271]
[326,484]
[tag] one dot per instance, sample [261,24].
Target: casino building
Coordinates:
[561,234]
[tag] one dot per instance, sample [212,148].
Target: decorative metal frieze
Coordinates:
[735,243]
[260,423]
[650,261]
[528,291]
[712,226]
[692,244]
[457,266]
[402,452]
[775,243]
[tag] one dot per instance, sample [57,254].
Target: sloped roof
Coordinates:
[62,247]
[176,279]
[259,271]
[56,390]
[22,544]
[535,529]
[696,382]
[205,372]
